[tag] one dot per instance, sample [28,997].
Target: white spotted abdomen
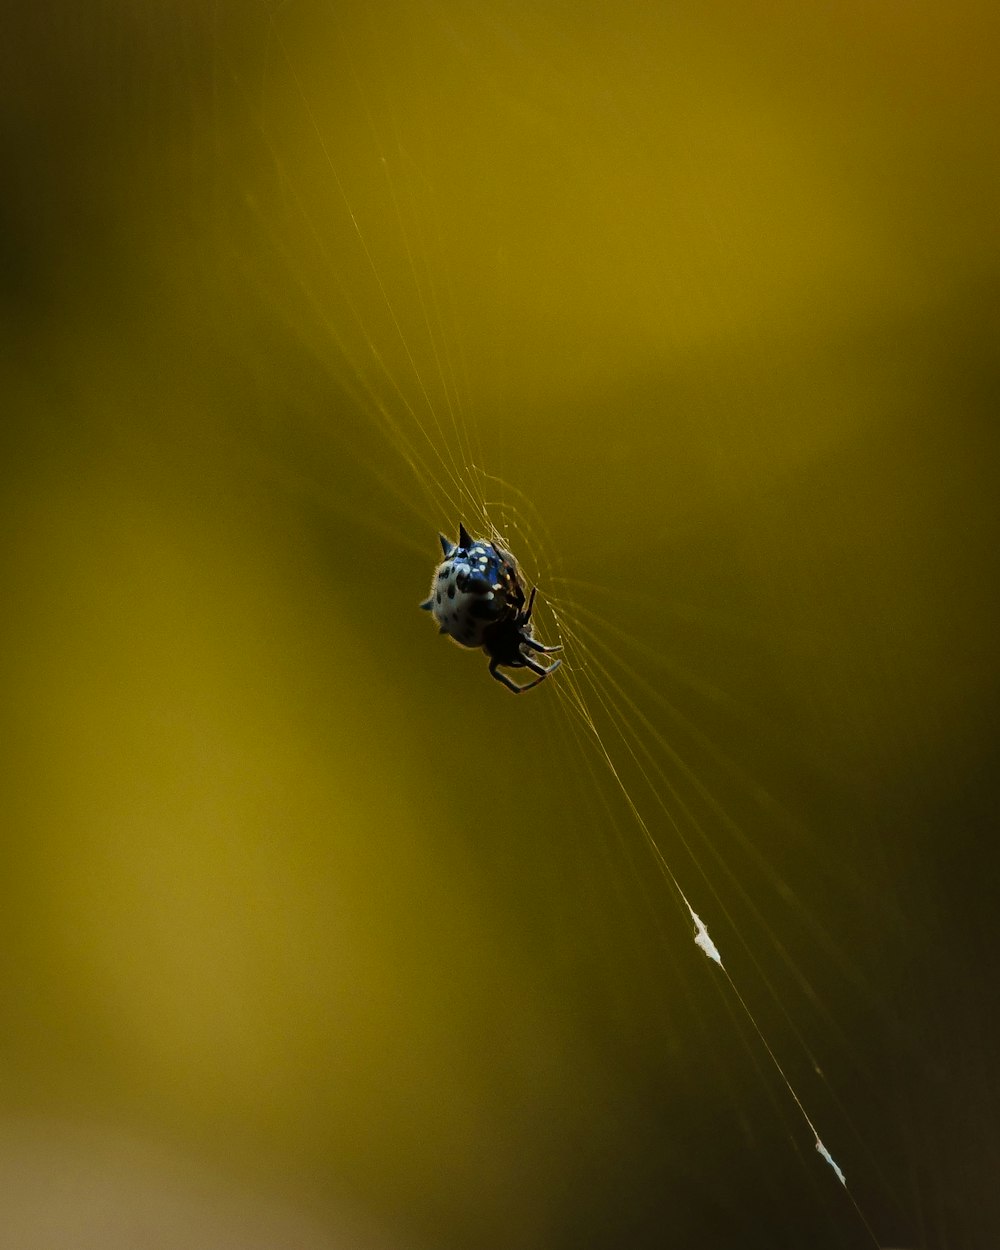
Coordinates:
[460,613]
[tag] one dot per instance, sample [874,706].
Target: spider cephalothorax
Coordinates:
[478,600]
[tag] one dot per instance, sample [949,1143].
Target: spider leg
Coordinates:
[539,668]
[505,680]
[524,618]
[537,646]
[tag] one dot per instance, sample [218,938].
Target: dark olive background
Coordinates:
[311,934]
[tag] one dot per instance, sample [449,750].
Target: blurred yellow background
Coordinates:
[311,934]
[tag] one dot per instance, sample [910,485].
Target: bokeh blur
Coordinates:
[312,935]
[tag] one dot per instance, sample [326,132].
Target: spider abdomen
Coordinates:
[472,591]
[461,614]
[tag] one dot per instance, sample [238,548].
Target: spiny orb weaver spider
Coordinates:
[478,600]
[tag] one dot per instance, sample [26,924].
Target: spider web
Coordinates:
[726,785]
[649,956]
[415,381]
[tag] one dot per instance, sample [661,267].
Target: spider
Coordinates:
[477,598]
